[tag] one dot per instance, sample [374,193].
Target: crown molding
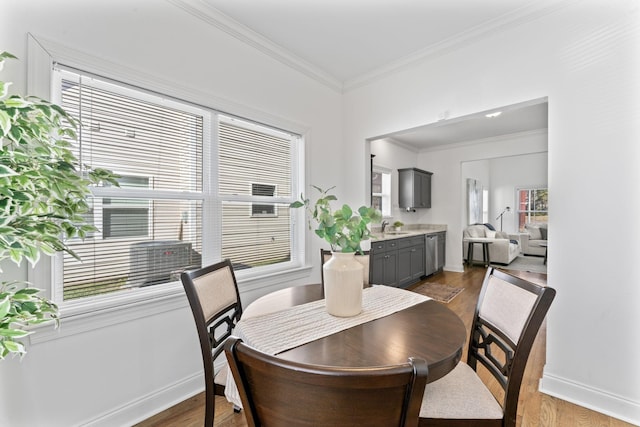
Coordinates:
[212,16]
[516,18]
[219,20]
[505,137]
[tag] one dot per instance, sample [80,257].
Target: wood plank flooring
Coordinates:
[535,409]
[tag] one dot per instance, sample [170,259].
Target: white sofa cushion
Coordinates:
[534,232]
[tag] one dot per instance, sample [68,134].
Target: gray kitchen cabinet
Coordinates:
[414,188]
[384,262]
[397,262]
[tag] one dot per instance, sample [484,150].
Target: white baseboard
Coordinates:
[454,268]
[591,398]
[146,406]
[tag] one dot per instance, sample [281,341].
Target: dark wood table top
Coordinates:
[427,330]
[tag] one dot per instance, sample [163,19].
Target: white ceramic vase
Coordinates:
[343,279]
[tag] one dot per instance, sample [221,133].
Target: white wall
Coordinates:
[584,58]
[508,174]
[127,371]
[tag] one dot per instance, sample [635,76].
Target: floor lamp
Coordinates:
[499,217]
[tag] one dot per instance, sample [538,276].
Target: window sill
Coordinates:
[83,316]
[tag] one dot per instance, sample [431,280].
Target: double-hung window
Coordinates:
[381,190]
[195,186]
[533,206]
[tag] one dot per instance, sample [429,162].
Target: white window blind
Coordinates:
[190,180]
[254,160]
[150,228]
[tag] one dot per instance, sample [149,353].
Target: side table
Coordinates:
[485,250]
[546,249]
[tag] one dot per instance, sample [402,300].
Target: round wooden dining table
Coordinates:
[428,330]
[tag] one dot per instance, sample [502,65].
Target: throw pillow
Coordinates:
[534,232]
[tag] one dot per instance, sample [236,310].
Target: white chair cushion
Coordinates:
[220,377]
[460,394]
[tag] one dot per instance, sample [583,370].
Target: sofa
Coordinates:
[502,250]
[531,239]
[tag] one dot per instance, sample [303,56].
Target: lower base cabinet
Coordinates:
[384,266]
[398,262]
[404,261]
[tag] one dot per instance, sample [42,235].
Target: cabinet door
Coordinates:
[404,266]
[390,273]
[424,196]
[417,262]
[377,269]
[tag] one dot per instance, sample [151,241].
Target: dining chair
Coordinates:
[213,295]
[508,316]
[280,392]
[363,258]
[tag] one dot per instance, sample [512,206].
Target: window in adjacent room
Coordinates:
[381,190]
[533,206]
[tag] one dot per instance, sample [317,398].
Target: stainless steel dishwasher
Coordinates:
[431,254]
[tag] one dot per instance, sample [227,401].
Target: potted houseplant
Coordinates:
[344,229]
[43,194]
[398,225]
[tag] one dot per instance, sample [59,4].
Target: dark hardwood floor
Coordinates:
[535,409]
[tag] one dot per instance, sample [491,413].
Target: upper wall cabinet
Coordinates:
[414,188]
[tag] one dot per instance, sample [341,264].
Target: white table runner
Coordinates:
[276,332]
[283,330]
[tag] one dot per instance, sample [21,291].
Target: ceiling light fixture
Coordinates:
[492,115]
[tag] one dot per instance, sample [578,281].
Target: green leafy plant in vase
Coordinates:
[43,194]
[398,225]
[343,228]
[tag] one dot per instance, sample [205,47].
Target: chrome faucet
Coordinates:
[384,225]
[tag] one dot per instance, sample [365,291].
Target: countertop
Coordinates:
[408,231]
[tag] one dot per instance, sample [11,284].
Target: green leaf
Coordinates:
[7,171]
[5,123]
[5,306]
[28,291]
[17,102]
[13,347]
[4,89]
[13,333]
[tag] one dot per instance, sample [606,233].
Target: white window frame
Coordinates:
[385,195]
[108,309]
[527,212]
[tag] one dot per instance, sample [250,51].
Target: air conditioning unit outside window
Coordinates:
[158,261]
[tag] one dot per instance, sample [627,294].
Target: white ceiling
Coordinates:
[522,117]
[347,42]
[350,38]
